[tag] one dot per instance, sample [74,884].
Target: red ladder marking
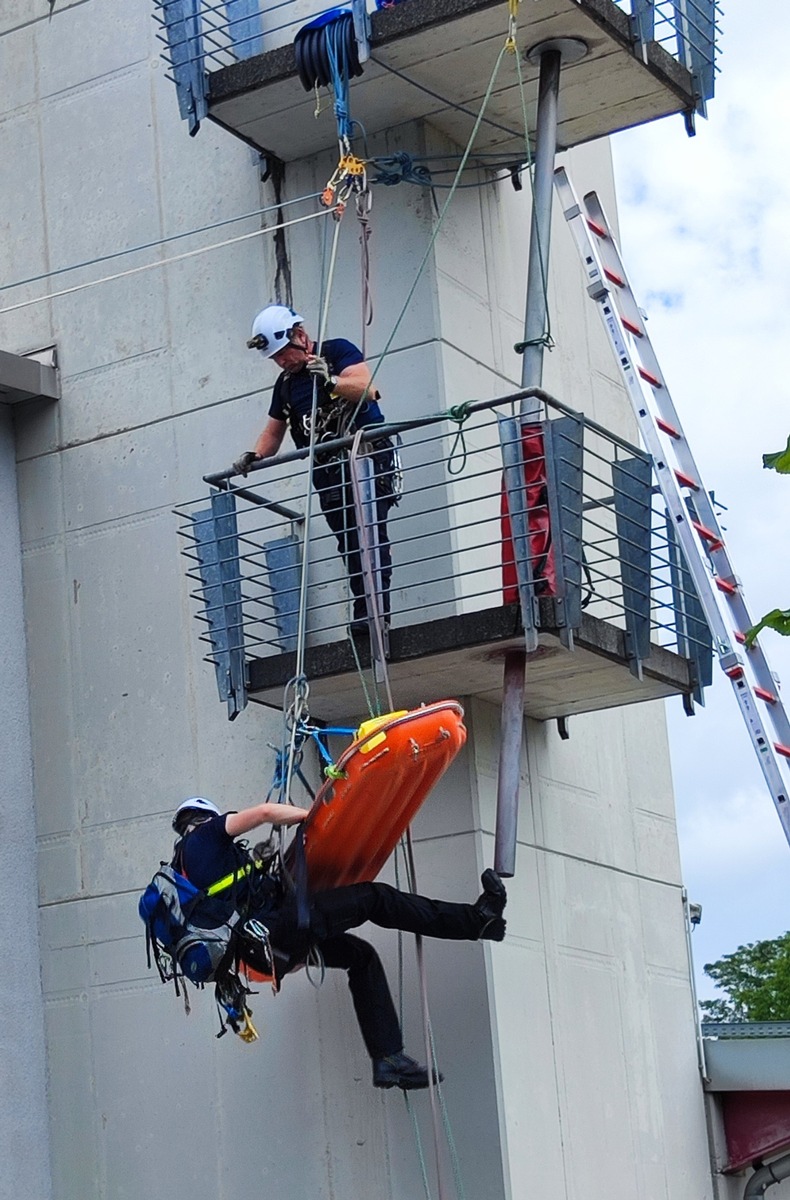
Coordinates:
[667,428]
[741,637]
[632,328]
[734,673]
[708,535]
[780,749]
[617,280]
[724,585]
[765,695]
[686,481]
[653,380]
[596,228]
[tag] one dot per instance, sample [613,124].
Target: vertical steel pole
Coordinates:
[512,717]
[540,233]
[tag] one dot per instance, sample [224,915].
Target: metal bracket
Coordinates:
[694,640]
[361,18]
[632,480]
[217,551]
[564,442]
[643,23]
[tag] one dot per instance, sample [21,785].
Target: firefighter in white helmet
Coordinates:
[345,403]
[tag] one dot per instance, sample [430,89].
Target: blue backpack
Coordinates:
[172,941]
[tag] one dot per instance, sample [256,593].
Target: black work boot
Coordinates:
[398,1070]
[490,906]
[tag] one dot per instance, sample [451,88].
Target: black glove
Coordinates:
[244,462]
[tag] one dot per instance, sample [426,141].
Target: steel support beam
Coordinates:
[512,718]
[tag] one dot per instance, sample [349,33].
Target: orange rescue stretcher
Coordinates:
[378,785]
[376,788]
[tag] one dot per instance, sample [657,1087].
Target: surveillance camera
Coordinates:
[695,914]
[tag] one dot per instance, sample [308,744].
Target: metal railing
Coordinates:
[688,30]
[203,36]
[609,550]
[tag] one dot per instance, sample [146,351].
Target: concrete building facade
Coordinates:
[570,1050]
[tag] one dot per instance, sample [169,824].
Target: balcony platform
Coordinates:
[463,655]
[450,47]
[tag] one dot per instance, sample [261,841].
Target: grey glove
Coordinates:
[319,368]
[244,462]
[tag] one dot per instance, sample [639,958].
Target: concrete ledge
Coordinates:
[449,47]
[26,379]
[463,656]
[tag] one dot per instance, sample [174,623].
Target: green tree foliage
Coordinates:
[777,619]
[756,980]
[779,462]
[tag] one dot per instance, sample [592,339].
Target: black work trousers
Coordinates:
[333,913]
[336,497]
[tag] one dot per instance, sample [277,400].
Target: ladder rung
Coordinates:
[596,228]
[708,535]
[724,585]
[667,428]
[632,328]
[734,672]
[686,481]
[741,638]
[765,695]
[653,380]
[617,280]
[780,749]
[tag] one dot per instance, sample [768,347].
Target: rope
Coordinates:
[165,262]
[339,37]
[299,711]
[401,168]
[442,214]
[458,413]
[367,294]
[444,100]
[173,237]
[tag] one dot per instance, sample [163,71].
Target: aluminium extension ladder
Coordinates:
[688,503]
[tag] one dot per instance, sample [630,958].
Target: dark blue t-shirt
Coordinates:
[207,855]
[292,399]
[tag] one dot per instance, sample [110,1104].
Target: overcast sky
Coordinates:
[705,231]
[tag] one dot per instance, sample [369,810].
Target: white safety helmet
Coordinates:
[196,804]
[272,329]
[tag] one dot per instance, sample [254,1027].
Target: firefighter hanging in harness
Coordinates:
[266,924]
[344,405]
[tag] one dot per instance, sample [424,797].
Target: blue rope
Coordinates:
[337,56]
[401,168]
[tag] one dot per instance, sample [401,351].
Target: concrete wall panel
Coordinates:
[130,667]
[75,1142]
[23,249]
[110,39]
[17,64]
[24,1143]
[550,1042]
[106,204]
[49,591]
[121,395]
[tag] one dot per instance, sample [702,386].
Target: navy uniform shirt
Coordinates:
[207,855]
[292,399]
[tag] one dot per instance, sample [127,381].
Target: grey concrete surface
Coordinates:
[24,1118]
[569,1050]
